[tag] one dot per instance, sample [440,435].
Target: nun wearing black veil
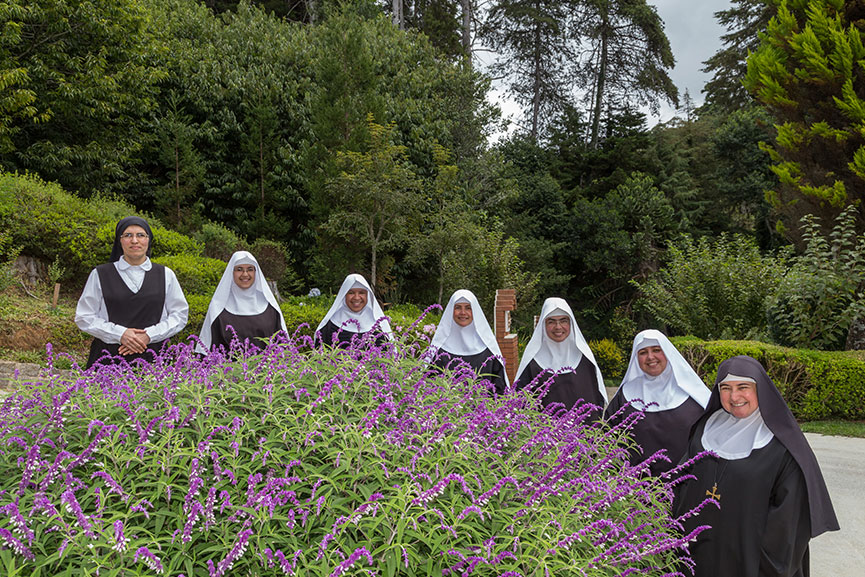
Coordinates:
[765,479]
[558,351]
[660,383]
[243,302]
[130,305]
[464,335]
[354,313]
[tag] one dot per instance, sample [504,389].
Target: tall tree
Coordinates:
[810,72]
[532,38]
[628,58]
[744,21]
[375,199]
[86,70]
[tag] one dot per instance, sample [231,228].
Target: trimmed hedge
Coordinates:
[816,384]
[197,275]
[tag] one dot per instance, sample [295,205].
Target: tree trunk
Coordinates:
[467,29]
[599,85]
[311,9]
[261,163]
[177,175]
[398,16]
[536,89]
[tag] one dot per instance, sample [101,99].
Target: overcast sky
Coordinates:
[694,36]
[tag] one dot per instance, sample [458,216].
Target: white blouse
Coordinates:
[91,316]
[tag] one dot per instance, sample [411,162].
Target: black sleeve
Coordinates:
[788,524]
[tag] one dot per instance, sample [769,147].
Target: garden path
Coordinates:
[841,553]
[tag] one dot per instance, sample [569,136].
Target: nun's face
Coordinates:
[356,299]
[652,360]
[558,327]
[134,242]
[739,398]
[463,315]
[244,275]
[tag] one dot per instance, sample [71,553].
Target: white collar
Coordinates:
[731,438]
[557,356]
[360,322]
[228,296]
[669,389]
[123,265]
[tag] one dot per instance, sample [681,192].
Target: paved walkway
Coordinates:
[841,553]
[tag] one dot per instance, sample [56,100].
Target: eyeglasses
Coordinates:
[558,322]
[138,235]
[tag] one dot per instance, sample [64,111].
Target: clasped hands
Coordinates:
[133,341]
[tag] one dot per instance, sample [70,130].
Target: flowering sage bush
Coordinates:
[307,460]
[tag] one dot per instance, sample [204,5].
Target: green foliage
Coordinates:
[80,81]
[611,358]
[196,274]
[823,295]
[713,289]
[815,384]
[808,72]
[276,263]
[242,463]
[219,241]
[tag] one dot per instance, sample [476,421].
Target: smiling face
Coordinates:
[463,315]
[739,398]
[134,242]
[558,327]
[356,299]
[244,275]
[652,360]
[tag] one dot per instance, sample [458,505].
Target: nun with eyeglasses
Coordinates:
[557,364]
[130,305]
[661,385]
[767,495]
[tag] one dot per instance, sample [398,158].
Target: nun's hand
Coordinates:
[133,341]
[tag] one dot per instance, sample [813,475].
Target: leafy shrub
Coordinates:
[197,275]
[713,289]
[276,262]
[316,463]
[824,292]
[815,384]
[170,243]
[219,241]
[612,360]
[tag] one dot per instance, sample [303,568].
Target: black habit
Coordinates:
[566,388]
[253,327]
[344,336]
[659,430]
[484,364]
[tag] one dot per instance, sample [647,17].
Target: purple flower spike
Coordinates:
[358,553]
[149,559]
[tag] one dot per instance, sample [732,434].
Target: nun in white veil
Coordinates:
[558,351]
[660,383]
[463,334]
[242,301]
[354,313]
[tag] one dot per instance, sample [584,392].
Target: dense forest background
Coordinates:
[356,136]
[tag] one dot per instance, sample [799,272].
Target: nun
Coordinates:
[770,494]
[558,364]
[662,385]
[130,305]
[354,313]
[243,304]
[464,335]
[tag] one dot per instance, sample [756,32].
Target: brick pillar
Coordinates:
[506,301]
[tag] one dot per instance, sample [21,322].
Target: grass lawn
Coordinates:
[837,428]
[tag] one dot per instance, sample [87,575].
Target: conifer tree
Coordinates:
[810,73]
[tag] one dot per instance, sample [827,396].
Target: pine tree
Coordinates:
[810,73]
[744,21]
